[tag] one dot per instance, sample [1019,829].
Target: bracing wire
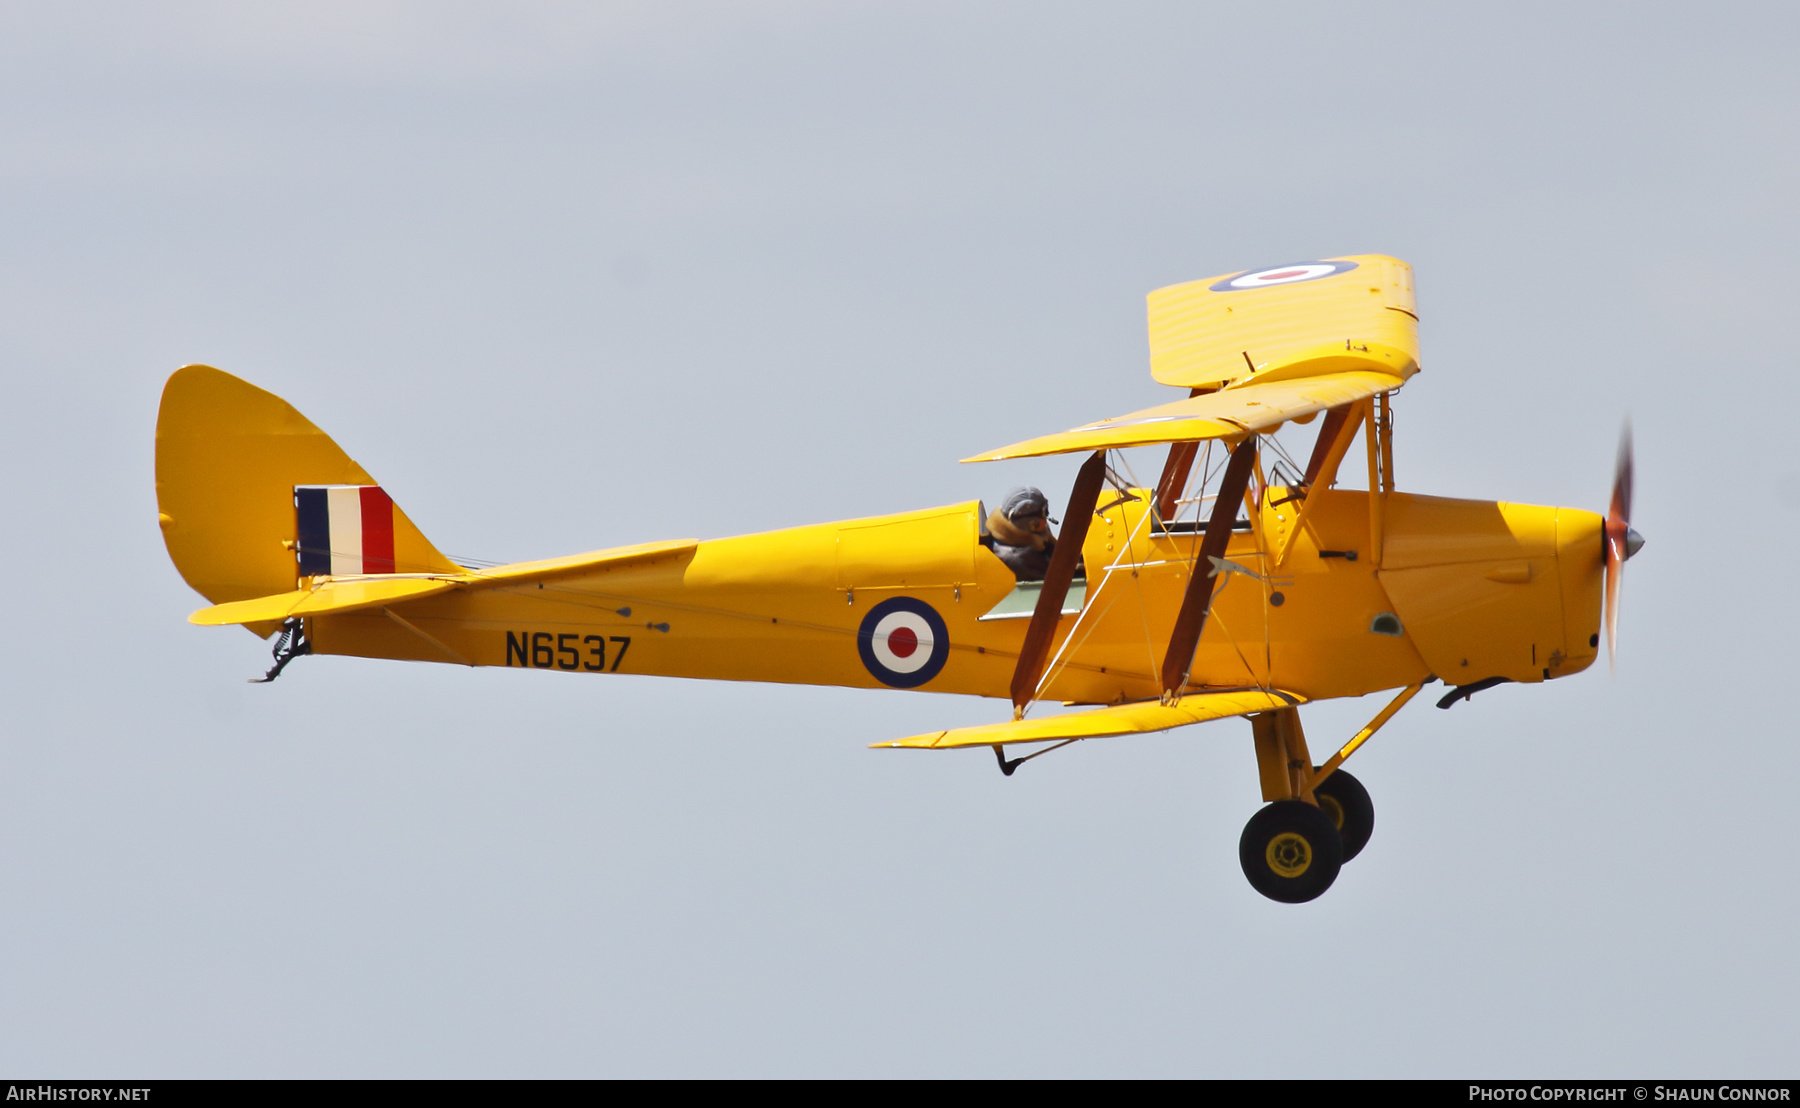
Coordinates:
[1125,555]
[1136,578]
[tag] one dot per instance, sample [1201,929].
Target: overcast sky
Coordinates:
[567,276]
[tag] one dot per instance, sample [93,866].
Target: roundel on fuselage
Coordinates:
[903,642]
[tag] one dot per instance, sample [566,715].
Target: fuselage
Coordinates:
[1461,590]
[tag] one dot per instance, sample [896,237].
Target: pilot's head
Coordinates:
[1027,509]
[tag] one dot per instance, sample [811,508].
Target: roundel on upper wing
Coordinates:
[903,642]
[1281,275]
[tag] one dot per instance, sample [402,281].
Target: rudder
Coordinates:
[241,476]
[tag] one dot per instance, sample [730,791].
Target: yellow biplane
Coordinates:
[1242,584]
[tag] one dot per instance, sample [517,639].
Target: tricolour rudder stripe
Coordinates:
[377,530]
[312,526]
[346,530]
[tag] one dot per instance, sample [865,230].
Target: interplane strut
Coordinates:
[1036,649]
[1198,598]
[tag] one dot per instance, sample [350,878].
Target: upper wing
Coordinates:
[1124,719]
[1204,334]
[1268,345]
[1243,409]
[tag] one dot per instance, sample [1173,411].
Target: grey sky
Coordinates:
[570,276]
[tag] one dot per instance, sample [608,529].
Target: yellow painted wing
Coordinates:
[1259,405]
[1125,719]
[1211,332]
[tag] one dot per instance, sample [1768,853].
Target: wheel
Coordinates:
[1290,851]
[1343,798]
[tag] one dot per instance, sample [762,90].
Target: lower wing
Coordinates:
[1123,719]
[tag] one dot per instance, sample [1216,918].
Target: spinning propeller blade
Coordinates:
[1621,541]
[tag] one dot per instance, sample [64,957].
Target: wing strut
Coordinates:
[1179,661]
[1326,445]
[1385,420]
[1334,442]
[1372,440]
[1044,617]
[1175,471]
[1174,479]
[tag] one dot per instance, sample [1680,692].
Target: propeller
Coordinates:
[1621,541]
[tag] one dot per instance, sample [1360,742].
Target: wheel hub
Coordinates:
[1330,806]
[1289,855]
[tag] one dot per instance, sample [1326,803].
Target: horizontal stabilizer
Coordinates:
[1251,408]
[328,598]
[1124,719]
[334,595]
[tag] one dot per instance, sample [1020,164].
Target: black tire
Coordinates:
[1290,851]
[1343,798]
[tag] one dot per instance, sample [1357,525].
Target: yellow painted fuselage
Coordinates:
[1462,590]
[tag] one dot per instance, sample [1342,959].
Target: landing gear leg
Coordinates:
[1336,798]
[1290,850]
